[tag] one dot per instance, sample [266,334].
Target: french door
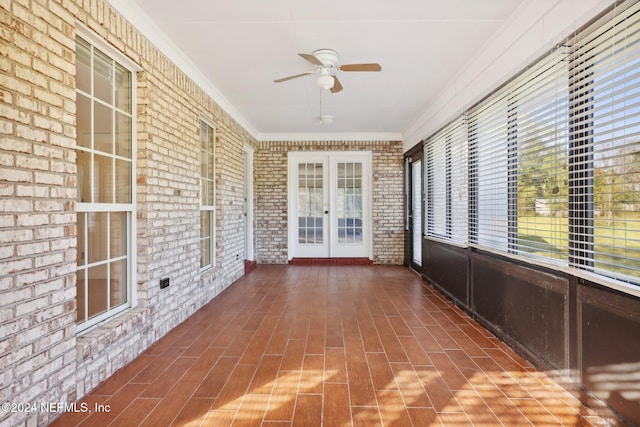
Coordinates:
[330,204]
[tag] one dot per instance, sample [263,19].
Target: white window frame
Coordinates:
[211,208]
[94,40]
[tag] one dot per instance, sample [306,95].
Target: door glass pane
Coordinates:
[416,208]
[349,203]
[310,203]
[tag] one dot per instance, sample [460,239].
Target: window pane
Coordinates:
[123,135]
[83,160]
[83,66]
[207,165]
[97,226]
[206,237]
[541,160]
[103,128]
[617,167]
[123,181]
[118,234]
[488,139]
[98,289]
[203,135]
[80,295]
[205,252]
[205,223]
[102,77]
[206,192]
[118,282]
[210,166]
[436,184]
[103,179]
[81,258]
[123,88]
[83,121]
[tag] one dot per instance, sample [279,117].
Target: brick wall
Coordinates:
[42,358]
[271,197]
[37,191]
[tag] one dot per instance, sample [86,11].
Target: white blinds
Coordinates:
[605,145]
[548,166]
[539,121]
[446,183]
[488,173]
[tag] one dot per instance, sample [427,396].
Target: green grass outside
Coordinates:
[616,240]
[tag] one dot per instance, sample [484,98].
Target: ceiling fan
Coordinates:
[326,63]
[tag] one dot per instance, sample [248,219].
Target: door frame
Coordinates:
[413,155]
[292,159]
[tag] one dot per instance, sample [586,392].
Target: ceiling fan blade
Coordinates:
[311,58]
[361,67]
[337,87]
[284,79]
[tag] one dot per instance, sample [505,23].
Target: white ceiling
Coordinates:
[239,47]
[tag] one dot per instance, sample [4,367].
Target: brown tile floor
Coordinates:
[332,346]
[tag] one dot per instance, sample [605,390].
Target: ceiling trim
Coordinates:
[345,136]
[145,25]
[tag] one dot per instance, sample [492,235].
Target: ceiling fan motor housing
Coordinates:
[328,57]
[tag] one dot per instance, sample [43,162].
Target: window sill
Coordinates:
[93,342]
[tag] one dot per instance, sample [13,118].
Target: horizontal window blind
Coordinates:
[553,157]
[459,187]
[605,140]
[446,183]
[488,215]
[539,160]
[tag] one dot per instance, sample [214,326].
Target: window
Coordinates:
[605,66]
[446,184]
[207,195]
[538,162]
[106,196]
[553,158]
[488,173]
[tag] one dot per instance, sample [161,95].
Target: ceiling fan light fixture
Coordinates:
[325,80]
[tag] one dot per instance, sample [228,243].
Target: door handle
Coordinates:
[326,212]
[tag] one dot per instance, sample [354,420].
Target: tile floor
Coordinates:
[331,346]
